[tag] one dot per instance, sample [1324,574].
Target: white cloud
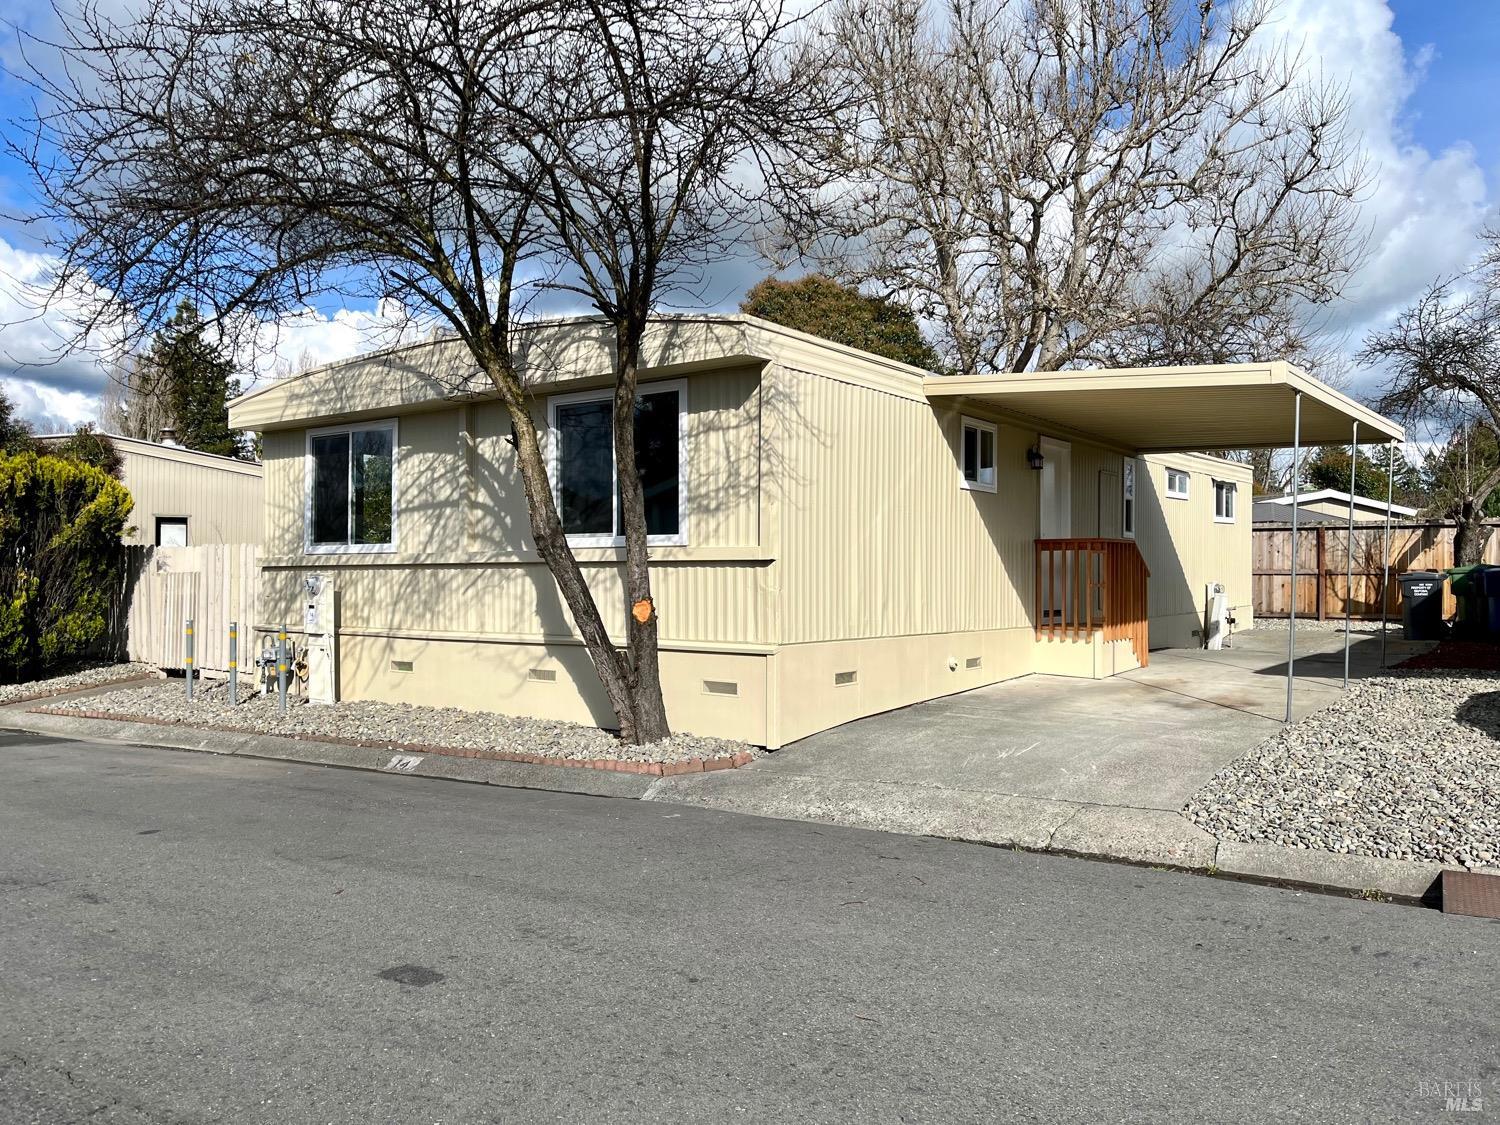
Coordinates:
[1423,209]
[310,338]
[53,377]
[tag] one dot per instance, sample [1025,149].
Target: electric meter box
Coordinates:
[320,627]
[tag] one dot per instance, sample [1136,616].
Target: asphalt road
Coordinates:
[191,938]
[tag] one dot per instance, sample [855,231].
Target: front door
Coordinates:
[1055,517]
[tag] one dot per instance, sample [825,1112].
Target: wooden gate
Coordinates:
[213,584]
[1323,587]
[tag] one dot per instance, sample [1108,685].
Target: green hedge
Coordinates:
[61,562]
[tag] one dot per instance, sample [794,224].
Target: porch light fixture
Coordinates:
[1034,458]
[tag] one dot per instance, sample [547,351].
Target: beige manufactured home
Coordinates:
[834,534]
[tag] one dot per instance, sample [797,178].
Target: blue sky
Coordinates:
[1425,108]
[1458,100]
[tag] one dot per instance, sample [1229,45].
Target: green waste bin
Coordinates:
[1467,583]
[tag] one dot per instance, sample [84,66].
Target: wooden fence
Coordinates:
[1323,588]
[213,585]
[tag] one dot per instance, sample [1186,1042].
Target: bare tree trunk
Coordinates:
[1471,536]
[641,621]
[552,545]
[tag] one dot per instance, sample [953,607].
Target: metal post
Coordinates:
[1385,581]
[1291,632]
[187,659]
[234,663]
[1349,552]
[281,669]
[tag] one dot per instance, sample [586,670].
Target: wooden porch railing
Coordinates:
[1084,585]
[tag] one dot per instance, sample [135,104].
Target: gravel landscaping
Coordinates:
[363,720]
[73,681]
[1406,766]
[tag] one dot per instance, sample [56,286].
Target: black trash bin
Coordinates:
[1491,583]
[1422,605]
[1467,584]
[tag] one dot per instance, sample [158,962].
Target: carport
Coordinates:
[1194,409]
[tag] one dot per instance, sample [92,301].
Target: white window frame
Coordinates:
[684,447]
[1179,494]
[351,428]
[185,521]
[1127,497]
[1229,489]
[983,427]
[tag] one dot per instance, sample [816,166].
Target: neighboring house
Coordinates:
[184,498]
[1327,505]
[834,534]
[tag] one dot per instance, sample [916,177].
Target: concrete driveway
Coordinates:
[1101,766]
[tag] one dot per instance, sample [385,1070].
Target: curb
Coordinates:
[616,765]
[1154,838]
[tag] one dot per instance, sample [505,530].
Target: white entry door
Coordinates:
[1055,517]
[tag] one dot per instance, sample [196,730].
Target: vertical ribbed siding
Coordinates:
[707,602]
[449,590]
[1183,545]
[221,505]
[880,539]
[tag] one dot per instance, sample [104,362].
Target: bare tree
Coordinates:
[132,403]
[258,153]
[1060,182]
[1442,358]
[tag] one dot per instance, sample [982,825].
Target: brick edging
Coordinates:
[140,677]
[616,765]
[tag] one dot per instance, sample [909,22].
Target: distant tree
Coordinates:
[1443,359]
[195,378]
[15,431]
[1450,473]
[134,401]
[1329,468]
[823,307]
[88,445]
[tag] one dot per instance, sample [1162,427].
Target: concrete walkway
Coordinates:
[1097,767]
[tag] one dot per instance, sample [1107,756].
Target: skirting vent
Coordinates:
[720,687]
[543,675]
[843,679]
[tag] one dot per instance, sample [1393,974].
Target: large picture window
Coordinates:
[583,464]
[351,503]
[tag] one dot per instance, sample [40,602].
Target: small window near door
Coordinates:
[171,531]
[1177,484]
[978,454]
[1224,501]
[1128,520]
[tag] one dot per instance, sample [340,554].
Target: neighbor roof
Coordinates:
[1342,497]
[1172,409]
[179,453]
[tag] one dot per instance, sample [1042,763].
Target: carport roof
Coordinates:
[1176,409]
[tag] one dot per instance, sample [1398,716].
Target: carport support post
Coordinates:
[187,656]
[234,663]
[1291,632]
[1385,581]
[1349,551]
